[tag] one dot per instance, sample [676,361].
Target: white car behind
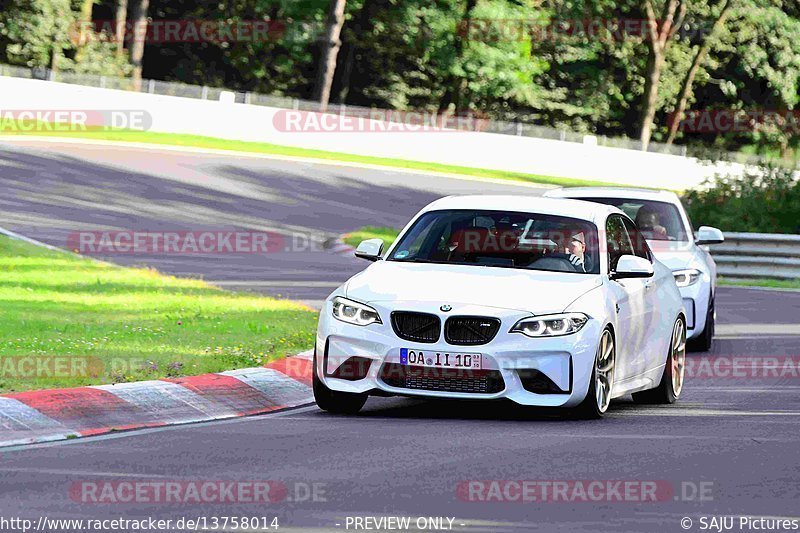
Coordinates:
[478,299]
[661,217]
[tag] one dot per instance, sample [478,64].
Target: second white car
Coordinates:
[664,223]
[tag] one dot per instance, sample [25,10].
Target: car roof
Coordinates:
[632,193]
[581,210]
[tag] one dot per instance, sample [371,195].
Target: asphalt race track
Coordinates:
[48,195]
[728,447]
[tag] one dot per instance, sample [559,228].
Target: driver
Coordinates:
[648,220]
[576,250]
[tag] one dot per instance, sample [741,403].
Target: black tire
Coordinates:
[704,342]
[589,409]
[336,402]
[664,393]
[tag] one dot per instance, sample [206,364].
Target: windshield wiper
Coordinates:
[417,260]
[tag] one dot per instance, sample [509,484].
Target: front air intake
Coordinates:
[442,379]
[417,327]
[470,330]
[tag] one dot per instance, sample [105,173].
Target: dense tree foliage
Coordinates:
[50,33]
[607,67]
[765,200]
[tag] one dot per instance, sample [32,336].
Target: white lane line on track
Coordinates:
[722,388]
[777,389]
[753,338]
[702,412]
[59,472]
[757,288]
[723,330]
[663,437]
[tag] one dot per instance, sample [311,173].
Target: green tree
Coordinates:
[700,53]
[49,33]
[330,45]
[753,64]
[33,32]
[764,200]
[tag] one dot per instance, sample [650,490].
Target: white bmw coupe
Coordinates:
[544,302]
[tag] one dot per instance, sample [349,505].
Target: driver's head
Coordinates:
[647,218]
[577,244]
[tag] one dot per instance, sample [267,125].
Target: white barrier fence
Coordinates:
[758,255]
[244,122]
[172,88]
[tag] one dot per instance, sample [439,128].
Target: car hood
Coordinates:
[675,259]
[524,290]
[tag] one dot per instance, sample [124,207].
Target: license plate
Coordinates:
[472,361]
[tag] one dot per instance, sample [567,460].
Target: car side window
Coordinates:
[618,241]
[640,248]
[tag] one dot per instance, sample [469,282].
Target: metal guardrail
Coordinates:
[758,255]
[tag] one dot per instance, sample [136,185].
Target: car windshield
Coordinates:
[657,221]
[501,239]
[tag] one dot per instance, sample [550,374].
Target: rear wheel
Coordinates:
[598,397]
[340,403]
[671,384]
[703,342]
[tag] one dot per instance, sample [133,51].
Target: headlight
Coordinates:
[354,312]
[550,325]
[686,277]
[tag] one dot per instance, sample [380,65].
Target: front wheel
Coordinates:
[669,390]
[336,402]
[598,397]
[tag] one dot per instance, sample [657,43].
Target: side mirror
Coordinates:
[709,235]
[370,249]
[631,266]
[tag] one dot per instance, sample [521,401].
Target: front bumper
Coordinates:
[359,359]
[696,299]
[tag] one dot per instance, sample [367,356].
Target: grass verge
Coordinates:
[198,141]
[66,321]
[767,283]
